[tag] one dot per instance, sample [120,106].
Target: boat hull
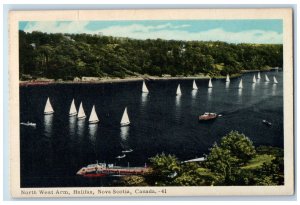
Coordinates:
[73,114]
[48,113]
[125,124]
[81,118]
[93,122]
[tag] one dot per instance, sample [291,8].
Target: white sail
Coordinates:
[73,110]
[178,92]
[144,88]
[241,84]
[48,108]
[81,113]
[93,116]
[267,79]
[275,80]
[125,119]
[254,79]
[210,83]
[227,78]
[195,85]
[258,75]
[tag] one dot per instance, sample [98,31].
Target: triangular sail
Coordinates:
[144,88]
[227,78]
[93,117]
[275,80]
[125,119]
[48,107]
[210,83]
[258,75]
[267,79]
[195,85]
[73,110]
[178,92]
[241,84]
[254,79]
[81,113]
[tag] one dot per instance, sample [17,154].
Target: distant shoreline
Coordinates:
[45,81]
[119,80]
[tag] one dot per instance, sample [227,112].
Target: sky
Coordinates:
[266,31]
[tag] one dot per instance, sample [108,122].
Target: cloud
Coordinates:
[163,31]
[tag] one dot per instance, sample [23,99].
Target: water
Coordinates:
[60,145]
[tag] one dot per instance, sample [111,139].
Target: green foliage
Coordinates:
[234,162]
[67,56]
[239,146]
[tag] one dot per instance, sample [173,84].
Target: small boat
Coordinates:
[254,79]
[267,122]
[121,156]
[93,117]
[48,108]
[195,87]
[267,79]
[125,119]
[241,84]
[28,124]
[127,151]
[144,88]
[210,83]
[73,110]
[258,75]
[208,116]
[275,80]
[81,113]
[178,92]
[227,78]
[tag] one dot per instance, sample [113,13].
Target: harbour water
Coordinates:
[59,145]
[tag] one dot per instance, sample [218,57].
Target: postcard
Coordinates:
[174,102]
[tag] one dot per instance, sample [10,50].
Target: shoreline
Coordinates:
[121,80]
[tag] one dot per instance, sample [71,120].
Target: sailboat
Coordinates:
[125,119]
[178,92]
[267,79]
[81,113]
[254,79]
[73,110]
[227,78]
[195,85]
[241,84]
[48,108]
[93,117]
[144,88]
[210,84]
[275,80]
[258,75]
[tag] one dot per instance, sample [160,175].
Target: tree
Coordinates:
[164,168]
[239,146]
[225,160]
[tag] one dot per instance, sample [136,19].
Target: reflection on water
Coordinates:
[80,128]
[178,108]
[93,132]
[144,98]
[194,93]
[48,120]
[209,94]
[274,87]
[72,125]
[227,85]
[253,88]
[178,100]
[124,132]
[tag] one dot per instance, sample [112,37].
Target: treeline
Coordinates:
[65,56]
[234,161]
